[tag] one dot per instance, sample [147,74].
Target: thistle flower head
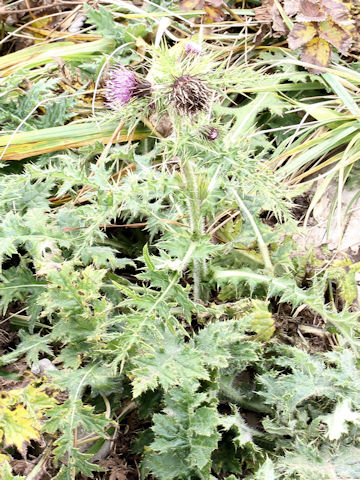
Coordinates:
[123,85]
[190,95]
[193,48]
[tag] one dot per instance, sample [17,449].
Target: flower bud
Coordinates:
[193,48]
[210,133]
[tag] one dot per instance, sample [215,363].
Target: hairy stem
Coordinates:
[196,221]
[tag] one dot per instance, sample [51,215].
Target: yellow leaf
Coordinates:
[335,35]
[258,321]
[36,400]
[19,427]
[214,13]
[189,4]
[301,34]
[317,52]
[41,22]
[261,321]
[5,401]
[4,458]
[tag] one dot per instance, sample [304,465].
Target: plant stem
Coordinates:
[262,245]
[40,465]
[196,221]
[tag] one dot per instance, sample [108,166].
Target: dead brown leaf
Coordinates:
[310,12]
[337,10]
[291,7]
[213,8]
[301,34]
[269,13]
[116,468]
[22,376]
[22,467]
[263,13]
[335,35]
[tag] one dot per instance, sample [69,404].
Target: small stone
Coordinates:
[44,365]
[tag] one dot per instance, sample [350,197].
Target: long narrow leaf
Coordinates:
[41,54]
[35,142]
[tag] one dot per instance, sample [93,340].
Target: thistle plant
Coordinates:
[198,197]
[183,82]
[210,133]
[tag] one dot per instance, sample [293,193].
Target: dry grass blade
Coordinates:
[42,54]
[36,142]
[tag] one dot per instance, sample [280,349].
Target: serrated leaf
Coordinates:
[337,421]
[172,363]
[178,444]
[266,471]
[201,448]
[31,346]
[204,421]
[19,427]
[215,340]
[20,414]
[95,377]
[244,434]
[105,23]
[17,283]
[307,462]
[104,257]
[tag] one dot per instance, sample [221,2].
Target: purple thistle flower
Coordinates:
[123,85]
[193,48]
